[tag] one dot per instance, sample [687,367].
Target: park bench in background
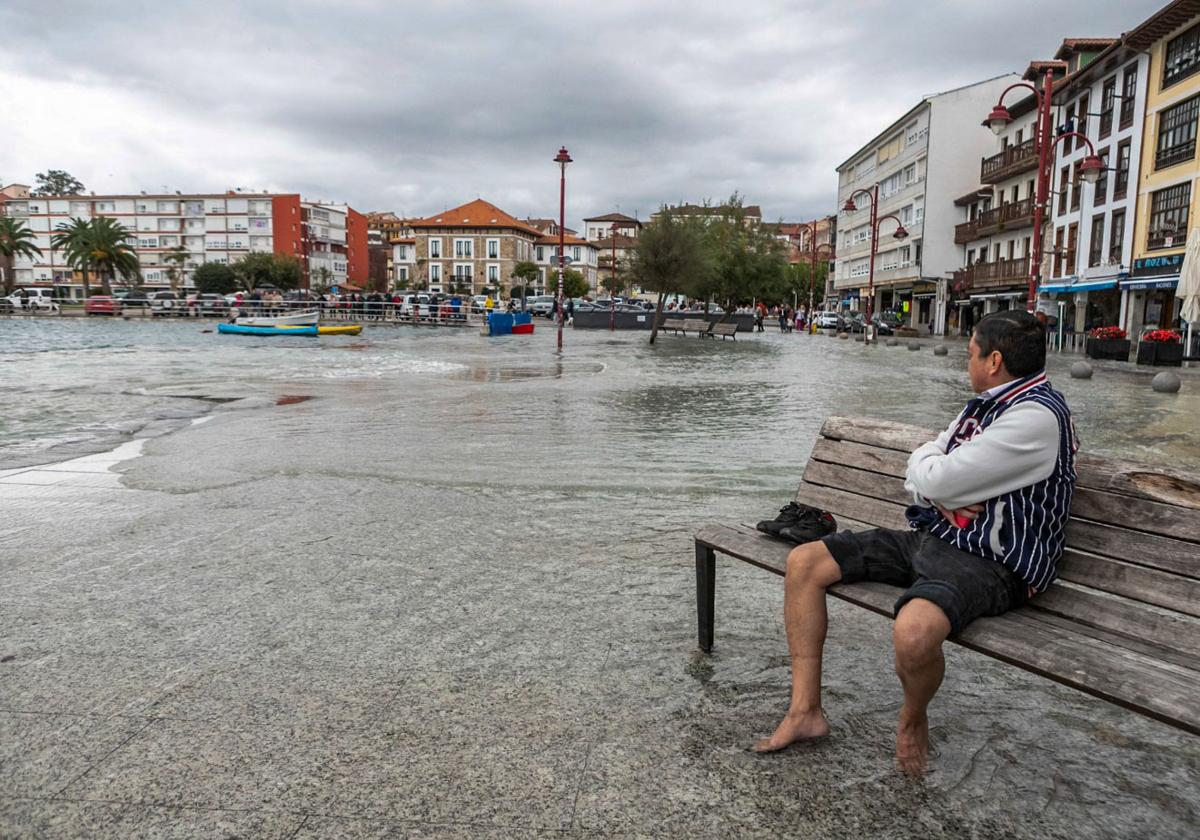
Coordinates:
[685,325]
[1123,620]
[675,325]
[724,330]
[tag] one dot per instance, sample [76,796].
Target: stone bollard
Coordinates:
[1166,382]
[843,335]
[940,350]
[914,345]
[1081,370]
[892,342]
[861,339]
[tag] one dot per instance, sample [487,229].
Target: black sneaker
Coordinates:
[789,514]
[811,526]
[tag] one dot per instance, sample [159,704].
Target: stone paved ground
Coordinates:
[228,642]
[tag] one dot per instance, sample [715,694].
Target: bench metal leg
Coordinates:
[706,588]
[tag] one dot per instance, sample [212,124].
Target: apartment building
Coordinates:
[614,235]
[466,248]
[921,162]
[582,256]
[1168,181]
[603,227]
[751,213]
[1103,97]
[213,228]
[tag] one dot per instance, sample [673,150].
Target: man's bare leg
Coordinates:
[811,569]
[917,636]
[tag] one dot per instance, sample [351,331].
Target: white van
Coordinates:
[33,299]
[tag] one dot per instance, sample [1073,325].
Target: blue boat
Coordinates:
[244,330]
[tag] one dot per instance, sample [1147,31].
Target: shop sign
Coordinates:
[1157,266]
[924,288]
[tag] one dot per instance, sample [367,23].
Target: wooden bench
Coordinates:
[1122,622]
[725,330]
[686,325]
[675,325]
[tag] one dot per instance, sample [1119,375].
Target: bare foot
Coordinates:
[805,726]
[912,744]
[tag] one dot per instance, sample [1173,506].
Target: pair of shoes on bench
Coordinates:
[799,523]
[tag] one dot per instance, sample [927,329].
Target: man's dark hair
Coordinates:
[1018,336]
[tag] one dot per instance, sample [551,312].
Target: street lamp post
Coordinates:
[1089,169]
[813,254]
[612,292]
[876,220]
[562,159]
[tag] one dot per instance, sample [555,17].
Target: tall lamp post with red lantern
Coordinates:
[562,159]
[876,220]
[813,256]
[1089,169]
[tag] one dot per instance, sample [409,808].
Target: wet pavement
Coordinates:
[418,584]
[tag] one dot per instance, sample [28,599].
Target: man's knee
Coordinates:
[812,564]
[919,631]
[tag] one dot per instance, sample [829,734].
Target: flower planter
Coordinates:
[1160,353]
[1107,348]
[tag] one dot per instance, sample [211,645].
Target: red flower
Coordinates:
[1107,333]
[1165,336]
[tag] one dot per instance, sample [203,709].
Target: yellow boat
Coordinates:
[340,329]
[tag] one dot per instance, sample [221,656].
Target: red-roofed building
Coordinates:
[581,256]
[469,248]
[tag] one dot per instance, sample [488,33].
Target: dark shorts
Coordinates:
[963,585]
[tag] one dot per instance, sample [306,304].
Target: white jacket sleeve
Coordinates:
[1019,448]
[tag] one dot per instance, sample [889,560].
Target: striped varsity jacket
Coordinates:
[1023,472]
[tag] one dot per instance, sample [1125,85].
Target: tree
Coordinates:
[670,253]
[57,182]
[261,269]
[100,245]
[573,284]
[16,240]
[528,273]
[175,259]
[749,261]
[516,292]
[215,279]
[320,280]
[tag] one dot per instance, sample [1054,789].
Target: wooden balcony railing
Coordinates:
[1015,214]
[985,275]
[966,232]
[1012,161]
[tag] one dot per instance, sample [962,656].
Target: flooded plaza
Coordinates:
[426,583]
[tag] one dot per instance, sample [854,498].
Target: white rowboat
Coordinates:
[297,319]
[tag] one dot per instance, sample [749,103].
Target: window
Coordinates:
[1072,244]
[493,249]
[1116,237]
[540,253]
[889,150]
[576,253]
[906,215]
[1069,125]
[493,274]
[1121,182]
[1100,196]
[435,251]
[1096,241]
[1169,216]
[1058,252]
[1084,103]
[910,174]
[1177,134]
[918,213]
[1182,57]
[463,249]
[1128,94]
[1063,178]
[1076,185]
[1107,98]
[916,135]
[917,252]
[435,273]
[402,252]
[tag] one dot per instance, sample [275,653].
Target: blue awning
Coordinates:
[1054,288]
[1152,283]
[1094,285]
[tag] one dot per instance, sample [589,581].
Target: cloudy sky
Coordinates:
[417,107]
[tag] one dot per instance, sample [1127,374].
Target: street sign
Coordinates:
[567,260]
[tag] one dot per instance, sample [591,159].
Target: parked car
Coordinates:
[541,305]
[35,299]
[829,321]
[102,305]
[422,304]
[207,305]
[165,304]
[133,298]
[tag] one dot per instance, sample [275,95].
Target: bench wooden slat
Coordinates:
[1096,662]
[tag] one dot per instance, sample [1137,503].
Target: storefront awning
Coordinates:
[1152,283]
[998,295]
[1054,288]
[1094,285]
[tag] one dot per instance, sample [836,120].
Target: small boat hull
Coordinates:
[298,319]
[242,329]
[340,329]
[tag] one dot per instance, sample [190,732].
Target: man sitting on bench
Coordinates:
[992,497]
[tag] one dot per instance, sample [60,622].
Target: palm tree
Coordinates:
[71,238]
[16,240]
[101,245]
[175,259]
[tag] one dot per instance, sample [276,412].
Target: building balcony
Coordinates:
[1015,214]
[990,275]
[1012,161]
[966,232]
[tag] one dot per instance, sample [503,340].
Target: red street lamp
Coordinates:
[562,159]
[813,255]
[876,220]
[1089,169]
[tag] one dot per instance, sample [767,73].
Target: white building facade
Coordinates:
[921,163]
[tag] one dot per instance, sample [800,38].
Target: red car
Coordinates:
[102,305]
